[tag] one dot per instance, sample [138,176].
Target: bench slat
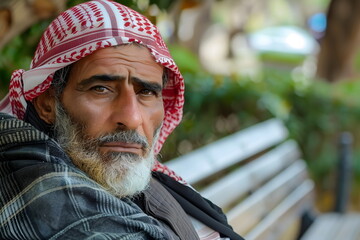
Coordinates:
[350,228]
[284,214]
[251,175]
[229,150]
[266,198]
[335,226]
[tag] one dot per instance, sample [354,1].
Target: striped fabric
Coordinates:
[79,32]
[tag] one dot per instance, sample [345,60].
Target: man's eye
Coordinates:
[147,92]
[99,89]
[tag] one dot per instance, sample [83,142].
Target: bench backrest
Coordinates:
[261,182]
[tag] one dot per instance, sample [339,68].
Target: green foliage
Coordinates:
[282,58]
[187,61]
[162,4]
[314,111]
[18,53]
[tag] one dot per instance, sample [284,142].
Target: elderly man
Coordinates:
[80,131]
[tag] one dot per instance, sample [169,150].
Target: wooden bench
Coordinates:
[258,177]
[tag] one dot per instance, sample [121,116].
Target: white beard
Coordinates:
[122,174]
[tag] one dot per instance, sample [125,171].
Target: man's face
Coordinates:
[116,88]
[109,116]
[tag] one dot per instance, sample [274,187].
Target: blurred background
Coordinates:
[244,61]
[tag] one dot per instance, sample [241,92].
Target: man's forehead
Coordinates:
[119,61]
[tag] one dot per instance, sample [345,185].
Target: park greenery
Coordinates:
[315,111]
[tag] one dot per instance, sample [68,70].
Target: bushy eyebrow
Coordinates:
[100,78]
[153,86]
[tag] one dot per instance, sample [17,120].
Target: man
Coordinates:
[78,156]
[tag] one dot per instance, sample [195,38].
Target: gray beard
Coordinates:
[122,174]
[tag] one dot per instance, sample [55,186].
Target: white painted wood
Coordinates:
[350,227]
[221,154]
[253,174]
[280,216]
[335,226]
[266,198]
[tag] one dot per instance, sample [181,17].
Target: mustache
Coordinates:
[126,136]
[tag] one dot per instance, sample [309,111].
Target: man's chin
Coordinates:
[134,180]
[122,174]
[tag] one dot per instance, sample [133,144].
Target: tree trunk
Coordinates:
[341,40]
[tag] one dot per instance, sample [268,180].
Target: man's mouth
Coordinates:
[122,147]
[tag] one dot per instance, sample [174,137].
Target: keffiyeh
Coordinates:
[80,31]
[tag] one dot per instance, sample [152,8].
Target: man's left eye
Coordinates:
[100,89]
[147,92]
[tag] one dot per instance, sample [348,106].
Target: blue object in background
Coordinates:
[317,22]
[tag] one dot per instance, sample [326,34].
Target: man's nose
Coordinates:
[127,111]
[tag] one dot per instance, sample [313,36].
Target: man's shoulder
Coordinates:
[27,153]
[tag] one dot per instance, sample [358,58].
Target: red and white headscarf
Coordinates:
[80,31]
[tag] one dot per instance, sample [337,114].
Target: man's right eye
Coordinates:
[99,89]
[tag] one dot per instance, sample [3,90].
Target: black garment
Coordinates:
[197,206]
[157,202]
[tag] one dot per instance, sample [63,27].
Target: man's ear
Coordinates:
[45,106]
